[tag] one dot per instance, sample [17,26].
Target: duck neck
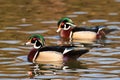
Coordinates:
[65,33]
[32,54]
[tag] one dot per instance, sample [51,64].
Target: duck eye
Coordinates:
[62,26]
[33,40]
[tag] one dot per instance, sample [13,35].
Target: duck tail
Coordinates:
[109,30]
[105,29]
[76,53]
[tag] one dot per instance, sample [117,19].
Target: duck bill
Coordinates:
[28,43]
[58,30]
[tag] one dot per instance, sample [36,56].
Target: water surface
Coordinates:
[21,18]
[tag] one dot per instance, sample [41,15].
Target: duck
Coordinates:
[68,30]
[42,53]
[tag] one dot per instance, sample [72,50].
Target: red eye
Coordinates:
[34,38]
[62,24]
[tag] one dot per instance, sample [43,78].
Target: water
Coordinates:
[19,19]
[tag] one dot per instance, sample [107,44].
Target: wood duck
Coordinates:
[67,29]
[40,52]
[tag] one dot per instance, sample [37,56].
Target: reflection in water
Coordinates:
[82,43]
[51,69]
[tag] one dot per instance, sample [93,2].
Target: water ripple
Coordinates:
[97,20]
[24,25]
[102,60]
[113,14]
[23,59]
[91,70]
[34,32]
[80,12]
[11,28]
[52,37]
[72,15]
[109,66]
[10,41]
[55,77]
[113,37]
[89,78]
[115,71]
[48,22]
[2,30]
[10,49]
[117,0]
[107,60]
[113,23]
[99,75]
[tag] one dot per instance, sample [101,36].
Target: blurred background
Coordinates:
[21,18]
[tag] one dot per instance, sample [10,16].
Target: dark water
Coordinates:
[21,18]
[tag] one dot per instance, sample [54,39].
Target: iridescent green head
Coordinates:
[65,23]
[65,20]
[37,40]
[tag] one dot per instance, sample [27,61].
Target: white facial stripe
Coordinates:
[71,24]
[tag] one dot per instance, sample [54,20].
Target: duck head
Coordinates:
[65,26]
[36,40]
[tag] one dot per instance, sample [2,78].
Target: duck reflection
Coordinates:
[82,43]
[53,68]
